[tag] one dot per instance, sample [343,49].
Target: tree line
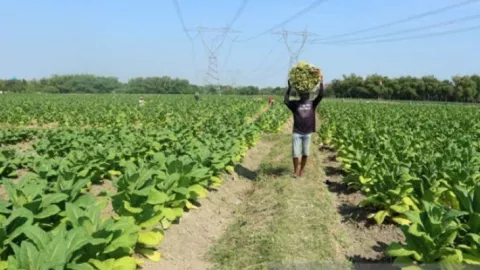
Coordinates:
[84,83]
[459,88]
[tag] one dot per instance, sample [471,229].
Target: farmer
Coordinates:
[197,96]
[141,102]
[303,124]
[271,101]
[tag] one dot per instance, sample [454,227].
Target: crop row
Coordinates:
[273,120]
[418,166]
[159,158]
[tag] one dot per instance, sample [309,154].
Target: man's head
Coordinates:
[304,95]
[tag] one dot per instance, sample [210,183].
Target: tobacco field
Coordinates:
[95,181]
[419,167]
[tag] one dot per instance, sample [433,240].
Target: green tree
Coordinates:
[15,86]
[446,90]
[374,86]
[432,87]
[465,88]
[476,79]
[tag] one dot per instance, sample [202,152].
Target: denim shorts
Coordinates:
[301,145]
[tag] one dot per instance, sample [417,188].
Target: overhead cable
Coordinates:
[407,19]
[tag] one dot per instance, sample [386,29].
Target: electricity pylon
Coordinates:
[294,52]
[234,74]
[212,49]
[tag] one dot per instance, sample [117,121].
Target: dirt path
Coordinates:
[257,115]
[186,244]
[368,241]
[284,223]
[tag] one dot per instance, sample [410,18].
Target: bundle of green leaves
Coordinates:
[304,77]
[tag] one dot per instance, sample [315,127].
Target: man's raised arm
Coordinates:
[286,97]
[319,97]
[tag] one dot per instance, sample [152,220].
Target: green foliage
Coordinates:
[460,88]
[430,238]
[160,158]
[9,162]
[13,135]
[418,167]
[14,85]
[304,77]
[272,120]
[87,83]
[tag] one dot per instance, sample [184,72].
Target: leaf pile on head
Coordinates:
[304,77]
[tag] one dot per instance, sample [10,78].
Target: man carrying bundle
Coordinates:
[304,78]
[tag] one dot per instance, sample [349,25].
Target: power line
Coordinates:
[184,28]
[267,55]
[259,73]
[234,19]
[238,13]
[308,8]
[444,23]
[410,18]
[229,52]
[269,71]
[180,17]
[201,30]
[444,33]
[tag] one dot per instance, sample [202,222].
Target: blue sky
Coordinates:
[144,38]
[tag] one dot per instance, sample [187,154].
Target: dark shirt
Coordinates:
[303,112]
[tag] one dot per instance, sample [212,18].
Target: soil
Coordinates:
[187,243]
[20,174]
[257,115]
[32,125]
[25,146]
[368,240]
[285,223]
[3,193]
[100,192]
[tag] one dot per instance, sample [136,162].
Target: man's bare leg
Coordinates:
[302,166]
[295,166]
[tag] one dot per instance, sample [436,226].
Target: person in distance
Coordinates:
[303,124]
[271,101]
[197,97]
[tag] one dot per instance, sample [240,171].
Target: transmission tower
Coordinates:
[202,77]
[212,49]
[294,52]
[234,74]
